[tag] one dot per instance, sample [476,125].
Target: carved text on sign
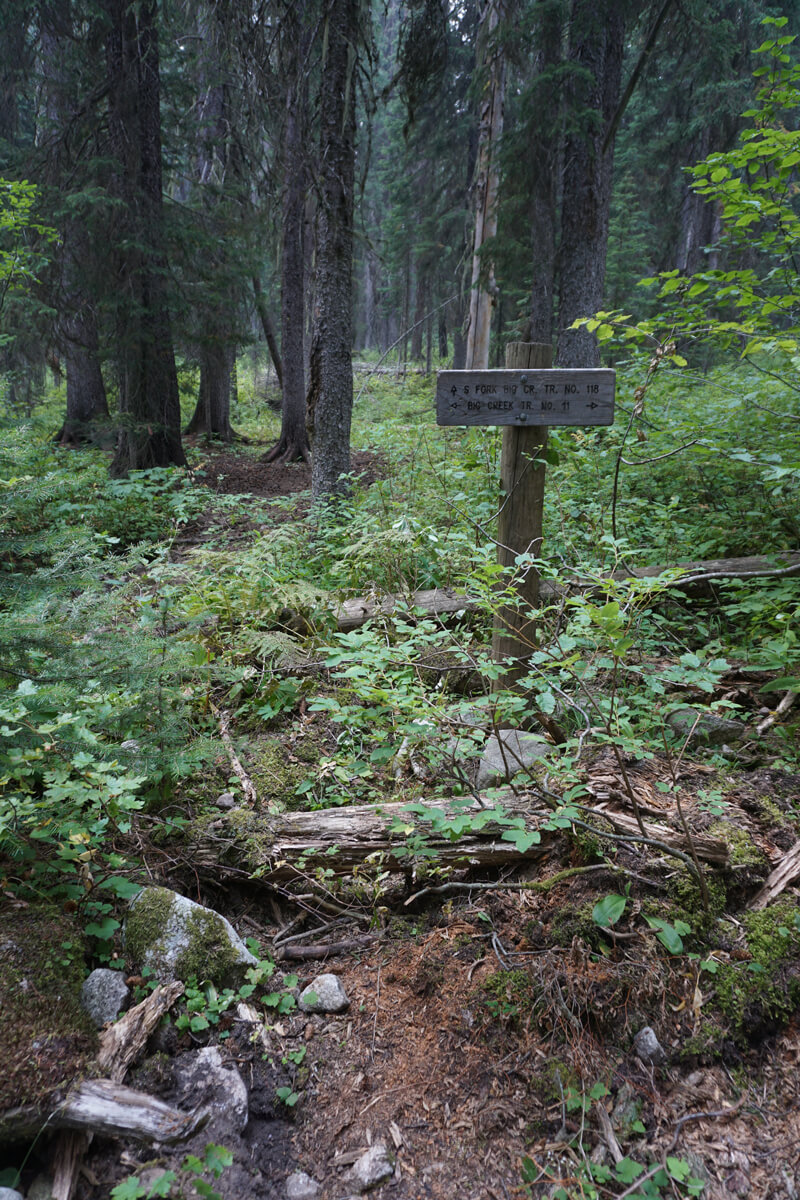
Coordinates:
[552,397]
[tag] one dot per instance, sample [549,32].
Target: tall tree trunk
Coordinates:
[215,324]
[543,160]
[212,416]
[268,328]
[332,367]
[76,325]
[293,444]
[418,330]
[700,220]
[596,48]
[487,185]
[149,405]
[87,406]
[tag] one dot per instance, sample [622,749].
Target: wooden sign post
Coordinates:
[526,398]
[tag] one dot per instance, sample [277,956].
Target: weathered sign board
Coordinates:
[530,397]
[527,398]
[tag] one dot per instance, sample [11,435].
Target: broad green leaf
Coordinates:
[608,910]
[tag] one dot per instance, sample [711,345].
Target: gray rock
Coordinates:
[104,994]
[41,1188]
[648,1047]
[373,1167]
[300,1186]
[226,800]
[711,730]
[175,939]
[203,1077]
[627,1109]
[10,1194]
[324,994]
[506,754]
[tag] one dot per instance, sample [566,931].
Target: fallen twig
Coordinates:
[248,787]
[322,950]
[784,706]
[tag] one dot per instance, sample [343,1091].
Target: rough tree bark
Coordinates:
[293,444]
[149,404]
[76,326]
[487,184]
[544,156]
[331,392]
[216,337]
[596,44]
[212,415]
[700,220]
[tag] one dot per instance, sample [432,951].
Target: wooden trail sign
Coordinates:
[526,398]
[530,397]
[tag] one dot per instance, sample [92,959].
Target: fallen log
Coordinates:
[119,1045]
[786,872]
[445,602]
[277,847]
[113,1110]
[325,949]
[122,1041]
[435,602]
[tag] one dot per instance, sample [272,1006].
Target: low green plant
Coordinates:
[203,1004]
[589,1180]
[190,1179]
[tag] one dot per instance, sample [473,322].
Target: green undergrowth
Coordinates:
[121,645]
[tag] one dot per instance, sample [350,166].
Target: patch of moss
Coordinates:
[275,777]
[571,922]
[759,996]
[508,994]
[554,1080]
[46,1038]
[752,863]
[704,1046]
[147,919]
[688,904]
[209,954]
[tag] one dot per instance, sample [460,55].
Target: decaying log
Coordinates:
[119,1045]
[121,1042]
[786,872]
[283,846]
[113,1110]
[436,602]
[710,850]
[70,1149]
[325,949]
[444,602]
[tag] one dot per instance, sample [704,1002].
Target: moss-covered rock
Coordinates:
[175,938]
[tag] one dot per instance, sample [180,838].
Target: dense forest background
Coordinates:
[420,181]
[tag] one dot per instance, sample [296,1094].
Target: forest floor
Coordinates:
[488,1042]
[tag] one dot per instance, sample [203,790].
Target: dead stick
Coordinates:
[248,788]
[784,706]
[323,950]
